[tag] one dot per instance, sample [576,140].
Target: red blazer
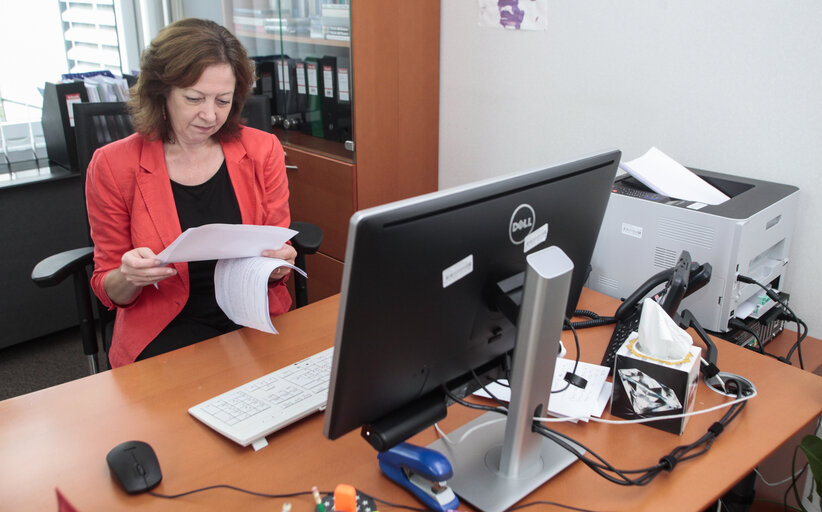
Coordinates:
[130,204]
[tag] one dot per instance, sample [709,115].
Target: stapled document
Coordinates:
[666,176]
[241,289]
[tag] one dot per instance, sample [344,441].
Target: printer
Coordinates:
[643,233]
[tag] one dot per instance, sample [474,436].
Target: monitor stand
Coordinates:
[501,460]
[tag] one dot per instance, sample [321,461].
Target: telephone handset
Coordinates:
[679,286]
[680,281]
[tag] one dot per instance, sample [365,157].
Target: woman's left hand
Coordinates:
[287,253]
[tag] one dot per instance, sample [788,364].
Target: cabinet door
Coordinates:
[302,54]
[322,192]
[325,276]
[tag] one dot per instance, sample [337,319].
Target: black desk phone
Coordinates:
[680,281]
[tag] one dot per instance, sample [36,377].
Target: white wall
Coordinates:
[732,86]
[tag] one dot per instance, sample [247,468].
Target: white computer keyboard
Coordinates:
[248,413]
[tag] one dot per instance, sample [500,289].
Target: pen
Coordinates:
[317,499]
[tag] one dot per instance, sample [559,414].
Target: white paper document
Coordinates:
[666,176]
[241,275]
[241,288]
[573,401]
[221,241]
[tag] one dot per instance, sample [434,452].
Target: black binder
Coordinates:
[344,127]
[265,78]
[328,70]
[58,122]
[285,90]
[301,86]
[312,116]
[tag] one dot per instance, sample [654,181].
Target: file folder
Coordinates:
[328,70]
[302,86]
[312,116]
[285,88]
[265,78]
[58,122]
[344,132]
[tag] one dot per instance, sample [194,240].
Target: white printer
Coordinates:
[750,234]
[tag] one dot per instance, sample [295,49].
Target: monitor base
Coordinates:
[476,462]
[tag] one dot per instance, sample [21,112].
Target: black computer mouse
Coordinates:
[134,464]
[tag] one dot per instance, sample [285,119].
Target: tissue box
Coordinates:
[645,387]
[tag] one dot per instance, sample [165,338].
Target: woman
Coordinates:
[190,163]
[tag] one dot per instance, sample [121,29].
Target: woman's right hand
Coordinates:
[140,267]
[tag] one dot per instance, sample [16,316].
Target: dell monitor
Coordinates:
[426,303]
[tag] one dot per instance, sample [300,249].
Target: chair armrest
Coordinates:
[309,238]
[54,269]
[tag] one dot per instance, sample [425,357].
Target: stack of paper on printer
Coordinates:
[665,176]
[241,275]
[572,402]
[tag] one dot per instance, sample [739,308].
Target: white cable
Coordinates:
[775,484]
[467,432]
[647,420]
[443,434]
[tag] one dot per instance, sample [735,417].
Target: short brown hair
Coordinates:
[177,57]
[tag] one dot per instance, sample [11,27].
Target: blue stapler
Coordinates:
[422,471]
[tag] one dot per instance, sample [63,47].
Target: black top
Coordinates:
[201,318]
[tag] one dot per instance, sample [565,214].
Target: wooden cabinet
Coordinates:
[393,53]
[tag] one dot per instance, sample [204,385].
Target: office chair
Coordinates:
[97,124]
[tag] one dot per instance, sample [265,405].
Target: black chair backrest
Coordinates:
[97,124]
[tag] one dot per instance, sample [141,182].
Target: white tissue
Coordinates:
[659,336]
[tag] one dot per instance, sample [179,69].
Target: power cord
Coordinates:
[740,325]
[284,495]
[231,488]
[667,463]
[787,314]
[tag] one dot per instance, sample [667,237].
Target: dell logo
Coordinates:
[522,223]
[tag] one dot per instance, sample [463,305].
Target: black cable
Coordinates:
[480,407]
[233,488]
[586,312]
[738,324]
[595,320]
[576,359]
[285,495]
[397,505]
[789,316]
[798,344]
[484,388]
[666,463]
[549,503]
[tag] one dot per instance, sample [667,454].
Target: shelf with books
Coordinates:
[366,130]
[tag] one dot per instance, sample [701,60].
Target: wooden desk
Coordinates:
[59,437]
